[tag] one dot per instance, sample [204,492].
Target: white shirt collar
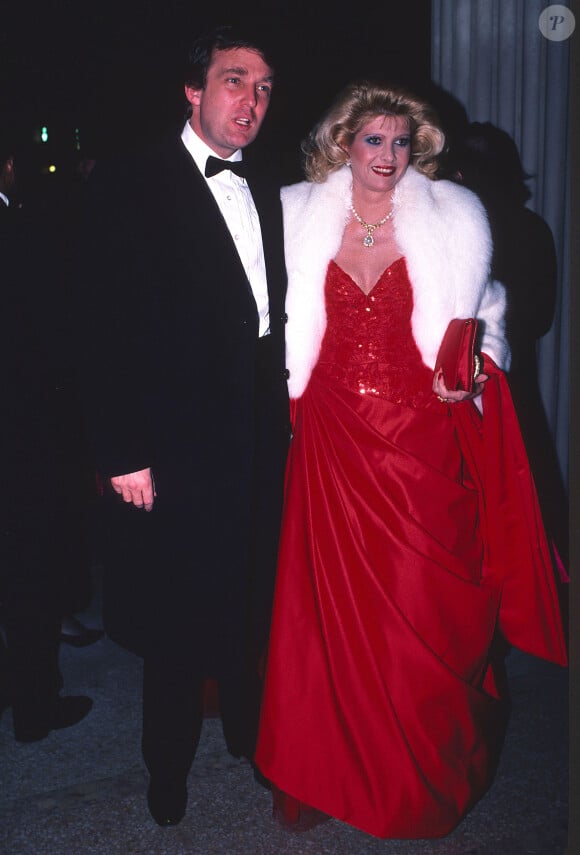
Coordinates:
[5,198]
[200,151]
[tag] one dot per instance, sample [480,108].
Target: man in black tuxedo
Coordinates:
[43,548]
[189,408]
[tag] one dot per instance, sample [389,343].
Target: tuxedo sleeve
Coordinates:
[113,320]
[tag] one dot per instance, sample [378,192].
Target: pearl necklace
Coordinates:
[368,239]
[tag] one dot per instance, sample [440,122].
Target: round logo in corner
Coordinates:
[557,23]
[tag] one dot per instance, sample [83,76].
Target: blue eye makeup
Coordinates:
[376,139]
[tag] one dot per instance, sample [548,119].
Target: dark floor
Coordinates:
[81,790]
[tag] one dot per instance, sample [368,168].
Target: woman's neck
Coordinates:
[372,206]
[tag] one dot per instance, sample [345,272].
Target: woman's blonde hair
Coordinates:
[325,147]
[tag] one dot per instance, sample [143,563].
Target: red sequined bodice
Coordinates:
[368,345]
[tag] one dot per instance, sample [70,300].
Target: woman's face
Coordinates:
[380,153]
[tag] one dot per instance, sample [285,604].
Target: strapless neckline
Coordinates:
[379,280]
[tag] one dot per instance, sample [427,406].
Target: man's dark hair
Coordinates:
[221,38]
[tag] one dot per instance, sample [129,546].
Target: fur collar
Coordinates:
[443,233]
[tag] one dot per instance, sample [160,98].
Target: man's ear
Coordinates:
[193,95]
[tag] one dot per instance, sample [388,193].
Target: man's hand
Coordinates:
[136,488]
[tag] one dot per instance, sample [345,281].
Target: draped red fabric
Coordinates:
[382,704]
[374,708]
[517,555]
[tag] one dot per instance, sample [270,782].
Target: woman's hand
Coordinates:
[449,396]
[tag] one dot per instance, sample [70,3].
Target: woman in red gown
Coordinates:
[412,547]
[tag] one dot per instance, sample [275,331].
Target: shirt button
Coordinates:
[236,237]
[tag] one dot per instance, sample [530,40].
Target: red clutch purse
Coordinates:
[457,358]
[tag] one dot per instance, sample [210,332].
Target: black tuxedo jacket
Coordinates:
[170,334]
[47,478]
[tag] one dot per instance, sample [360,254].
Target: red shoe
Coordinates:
[293,814]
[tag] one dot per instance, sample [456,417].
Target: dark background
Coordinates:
[113,69]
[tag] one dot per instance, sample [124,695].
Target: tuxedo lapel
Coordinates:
[190,222]
[267,201]
[198,214]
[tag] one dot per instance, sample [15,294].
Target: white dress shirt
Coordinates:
[235,202]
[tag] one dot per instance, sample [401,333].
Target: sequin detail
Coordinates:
[368,345]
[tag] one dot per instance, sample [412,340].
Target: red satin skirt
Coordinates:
[381,706]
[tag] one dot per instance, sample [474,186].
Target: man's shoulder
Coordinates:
[142,155]
[264,164]
[142,170]
[165,148]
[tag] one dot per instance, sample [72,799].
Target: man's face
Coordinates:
[229,112]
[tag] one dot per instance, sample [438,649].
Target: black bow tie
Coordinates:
[215,165]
